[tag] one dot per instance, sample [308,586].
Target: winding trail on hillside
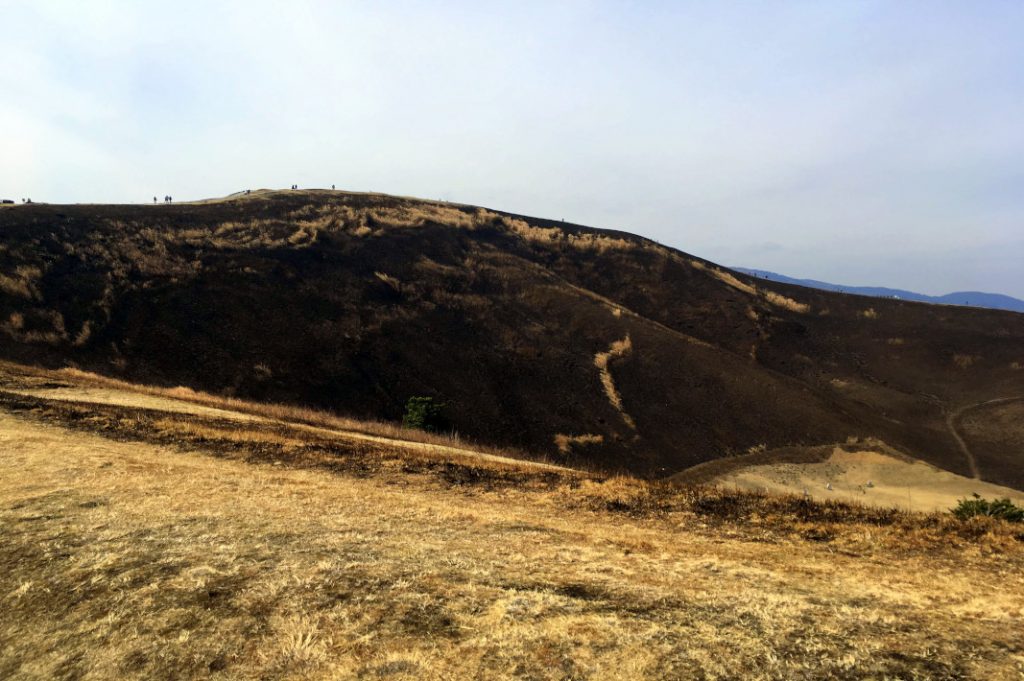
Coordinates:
[951,421]
[602,360]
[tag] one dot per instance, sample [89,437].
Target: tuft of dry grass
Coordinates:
[567,443]
[584,241]
[771,297]
[965,361]
[21,282]
[15,323]
[782,301]
[392,282]
[40,326]
[725,277]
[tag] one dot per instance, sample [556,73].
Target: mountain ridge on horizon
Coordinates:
[993,301]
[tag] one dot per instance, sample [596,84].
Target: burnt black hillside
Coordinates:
[595,347]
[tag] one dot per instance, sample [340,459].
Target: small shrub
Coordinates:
[999,508]
[425,413]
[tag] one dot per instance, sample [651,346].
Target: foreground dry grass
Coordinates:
[121,559]
[138,554]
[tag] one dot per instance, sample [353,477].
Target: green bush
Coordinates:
[425,413]
[999,508]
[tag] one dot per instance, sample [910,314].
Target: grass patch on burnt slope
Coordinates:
[144,544]
[15,376]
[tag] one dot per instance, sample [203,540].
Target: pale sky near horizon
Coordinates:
[862,143]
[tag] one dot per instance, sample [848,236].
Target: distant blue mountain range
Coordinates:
[996,301]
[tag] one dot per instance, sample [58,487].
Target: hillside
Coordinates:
[148,534]
[995,301]
[596,349]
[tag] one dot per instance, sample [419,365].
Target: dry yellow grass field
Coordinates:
[154,543]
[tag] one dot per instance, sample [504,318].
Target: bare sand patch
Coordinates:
[602,360]
[867,477]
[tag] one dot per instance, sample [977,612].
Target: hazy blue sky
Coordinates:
[856,142]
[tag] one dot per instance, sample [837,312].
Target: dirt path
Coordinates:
[954,416]
[125,398]
[602,361]
[427,447]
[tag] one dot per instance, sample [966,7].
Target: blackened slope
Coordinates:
[906,364]
[356,302]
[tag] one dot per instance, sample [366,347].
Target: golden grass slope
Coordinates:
[149,543]
[123,560]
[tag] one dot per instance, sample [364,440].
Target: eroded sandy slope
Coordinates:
[867,477]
